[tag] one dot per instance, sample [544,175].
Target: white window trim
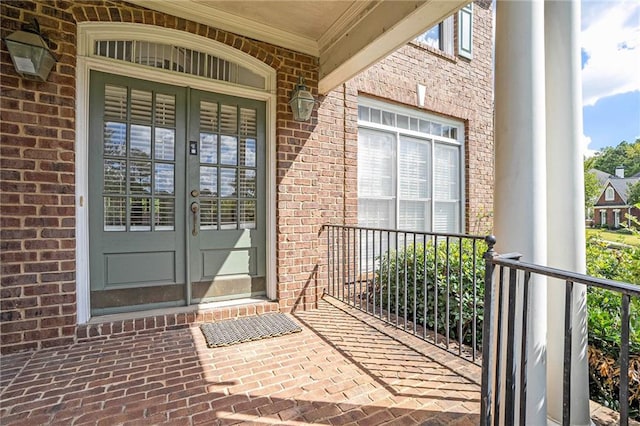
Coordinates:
[603,217]
[616,218]
[459,142]
[609,194]
[88,33]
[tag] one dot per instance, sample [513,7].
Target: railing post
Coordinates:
[488,331]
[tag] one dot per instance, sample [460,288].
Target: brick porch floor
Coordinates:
[343,368]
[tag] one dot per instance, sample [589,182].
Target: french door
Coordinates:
[177,195]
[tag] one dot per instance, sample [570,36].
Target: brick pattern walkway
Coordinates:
[343,368]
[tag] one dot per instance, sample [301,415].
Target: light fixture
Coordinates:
[30,52]
[301,101]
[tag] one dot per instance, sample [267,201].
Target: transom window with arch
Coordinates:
[178,59]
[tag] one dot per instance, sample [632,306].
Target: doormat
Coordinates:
[247,329]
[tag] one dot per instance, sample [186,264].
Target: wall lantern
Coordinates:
[30,52]
[301,101]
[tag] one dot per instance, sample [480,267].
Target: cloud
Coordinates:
[611,47]
[586,151]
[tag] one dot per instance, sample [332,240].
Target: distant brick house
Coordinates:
[159,166]
[612,206]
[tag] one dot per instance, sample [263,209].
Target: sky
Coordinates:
[610,39]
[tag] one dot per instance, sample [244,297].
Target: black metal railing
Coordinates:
[506,278]
[428,284]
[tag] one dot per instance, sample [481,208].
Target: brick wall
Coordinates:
[316,169]
[38,187]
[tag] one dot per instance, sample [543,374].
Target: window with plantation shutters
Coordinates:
[409,169]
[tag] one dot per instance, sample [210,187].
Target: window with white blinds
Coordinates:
[408,176]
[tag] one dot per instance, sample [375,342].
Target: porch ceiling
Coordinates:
[345,36]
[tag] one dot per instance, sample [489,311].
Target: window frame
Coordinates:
[445,38]
[462,49]
[433,141]
[609,194]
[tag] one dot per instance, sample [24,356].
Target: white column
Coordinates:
[520,215]
[565,200]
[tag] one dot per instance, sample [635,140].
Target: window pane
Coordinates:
[228,214]
[165,110]
[165,142]
[388,118]
[228,119]
[248,183]
[414,168]
[140,141]
[140,214]
[115,139]
[446,217]
[375,115]
[436,129]
[247,214]
[164,216]
[363,113]
[140,177]
[208,181]
[248,152]
[376,154]
[208,116]
[414,215]
[115,212]
[228,183]
[376,213]
[115,103]
[431,37]
[141,106]
[164,179]
[248,122]
[403,121]
[208,214]
[115,176]
[229,150]
[446,173]
[208,148]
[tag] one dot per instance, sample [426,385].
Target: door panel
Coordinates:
[136,183]
[176,190]
[227,181]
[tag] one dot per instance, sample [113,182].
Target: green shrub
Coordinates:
[395,281]
[604,320]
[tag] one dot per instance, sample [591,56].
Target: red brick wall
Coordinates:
[38,186]
[316,170]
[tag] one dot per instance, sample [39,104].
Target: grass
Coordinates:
[614,236]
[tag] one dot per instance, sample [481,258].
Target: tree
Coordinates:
[634,194]
[592,189]
[625,154]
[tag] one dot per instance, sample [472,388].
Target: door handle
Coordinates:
[195,208]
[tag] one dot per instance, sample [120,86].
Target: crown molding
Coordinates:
[233,23]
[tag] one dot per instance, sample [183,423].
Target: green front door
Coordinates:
[176,195]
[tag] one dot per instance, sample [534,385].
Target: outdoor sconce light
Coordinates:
[301,101]
[30,52]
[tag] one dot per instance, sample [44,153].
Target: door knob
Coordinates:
[195,193]
[195,208]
